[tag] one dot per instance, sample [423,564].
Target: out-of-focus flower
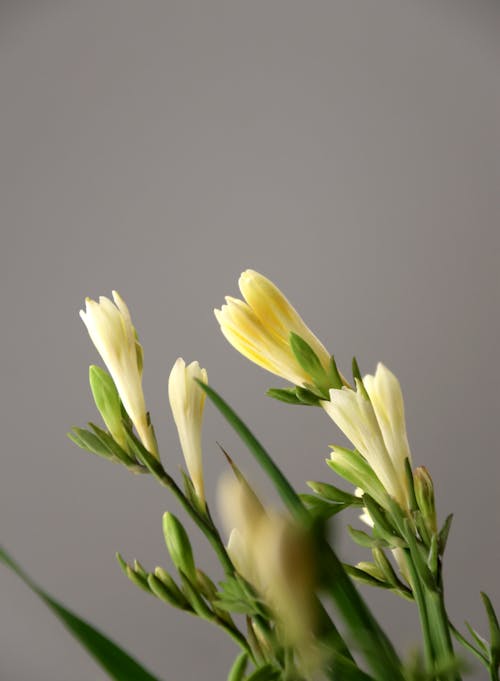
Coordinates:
[372,417]
[260,326]
[187,400]
[275,556]
[110,329]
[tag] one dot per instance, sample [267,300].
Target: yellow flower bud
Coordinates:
[276,557]
[110,329]
[187,400]
[260,326]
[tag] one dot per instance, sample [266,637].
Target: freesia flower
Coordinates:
[110,329]
[275,556]
[260,326]
[187,400]
[374,422]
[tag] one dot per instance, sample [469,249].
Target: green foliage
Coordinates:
[118,664]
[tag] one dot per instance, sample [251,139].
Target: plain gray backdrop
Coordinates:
[347,149]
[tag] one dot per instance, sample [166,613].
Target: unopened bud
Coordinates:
[424,492]
[179,546]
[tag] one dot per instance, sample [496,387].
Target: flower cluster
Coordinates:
[279,564]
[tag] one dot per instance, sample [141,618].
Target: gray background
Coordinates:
[350,151]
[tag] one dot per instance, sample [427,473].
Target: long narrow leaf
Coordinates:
[285,490]
[363,627]
[117,663]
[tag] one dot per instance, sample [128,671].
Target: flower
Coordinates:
[372,417]
[275,555]
[187,400]
[110,329]
[260,326]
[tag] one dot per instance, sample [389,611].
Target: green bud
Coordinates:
[171,587]
[194,597]
[424,493]
[363,573]
[139,569]
[108,403]
[138,578]
[237,671]
[371,569]
[385,567]
[179,546]
[205,585]
[332,493]
[159,590]
[351,466]
[382,524]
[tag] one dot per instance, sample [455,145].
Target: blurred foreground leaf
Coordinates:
[117,663]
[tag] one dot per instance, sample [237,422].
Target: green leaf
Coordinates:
[481,642]
[375,644]
[356,373]
[90,442]
[108,402]
[444,533]
[494,629]
[335,379]
[308,360]
[284,488]
[108,442]
[348,671]
[116,662]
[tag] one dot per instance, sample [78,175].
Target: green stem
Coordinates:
[236,635]
[377,648]
[208,528]
[365,630]
[284,488]
[440,631]
[418,594]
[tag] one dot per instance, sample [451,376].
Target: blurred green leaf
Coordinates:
[116,662]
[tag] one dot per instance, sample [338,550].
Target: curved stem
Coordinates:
[208,528]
